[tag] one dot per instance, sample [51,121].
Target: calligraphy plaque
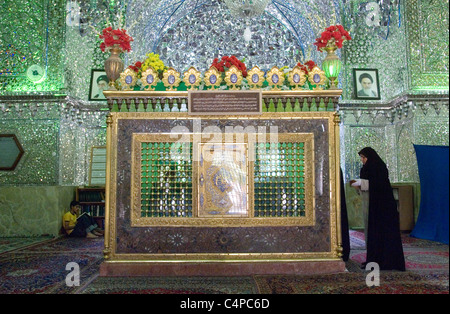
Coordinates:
[225,102]
[97,174]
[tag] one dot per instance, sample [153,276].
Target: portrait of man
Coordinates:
[99,83]
[366,84]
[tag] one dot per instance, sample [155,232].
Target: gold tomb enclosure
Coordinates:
[180,188]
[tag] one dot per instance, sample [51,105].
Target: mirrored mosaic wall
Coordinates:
[393,140]
[392,134]
[192,33]
[381,48]
[59,39]
[56,138]
[32,45]
[409,48]
[428,34]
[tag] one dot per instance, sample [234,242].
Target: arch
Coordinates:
[167,14]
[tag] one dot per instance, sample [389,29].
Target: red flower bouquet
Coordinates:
[333,36]
[136,67]
[227,62]
[308,66]
[115,38]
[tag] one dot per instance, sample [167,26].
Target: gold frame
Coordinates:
[275,71]
[233,70]
[297,71]
[208,74]
[199,167]
[186,76]
[301,93]
[333,254]
[175,74]
[145,84]
[259,73]
[321,73]
[123,77]
[195,221]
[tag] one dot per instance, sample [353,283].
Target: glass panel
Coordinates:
[279,180]
[166,180]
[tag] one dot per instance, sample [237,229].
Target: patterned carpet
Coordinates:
[355,283]
[173,285]
[357,241]
[420,255]
[39,268]
[14,243]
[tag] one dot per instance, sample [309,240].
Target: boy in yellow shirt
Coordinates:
[79,226]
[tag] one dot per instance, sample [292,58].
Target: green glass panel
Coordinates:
[271,106]
[280,107]
[288,106]
[297,106]
[305,105]
[167,196]
[264,106]
[277,180]
[322,105]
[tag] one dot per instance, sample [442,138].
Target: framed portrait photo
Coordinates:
[99,83]
[366,84]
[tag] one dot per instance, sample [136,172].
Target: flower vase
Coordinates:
[113,67]
[332,66]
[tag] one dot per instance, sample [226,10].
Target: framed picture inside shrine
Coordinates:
[366,84]
[99,83]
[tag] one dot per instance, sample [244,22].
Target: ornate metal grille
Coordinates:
[279,180]
[166,180]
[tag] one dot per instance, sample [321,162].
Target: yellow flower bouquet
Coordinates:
[155,62]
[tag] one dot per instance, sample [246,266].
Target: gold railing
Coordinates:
[177,101]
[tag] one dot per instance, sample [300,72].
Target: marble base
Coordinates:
[135,269]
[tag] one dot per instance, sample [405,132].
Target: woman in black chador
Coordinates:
[384,245]
[344,223]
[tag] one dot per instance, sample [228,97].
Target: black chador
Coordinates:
[384,245]
[344,223]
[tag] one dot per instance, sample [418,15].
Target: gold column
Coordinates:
[107,250]
[337,120]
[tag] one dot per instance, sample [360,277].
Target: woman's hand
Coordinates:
[355,184]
